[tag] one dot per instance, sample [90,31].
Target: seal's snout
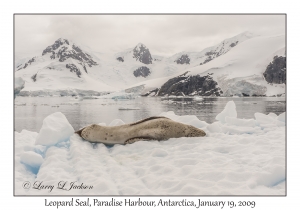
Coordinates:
[79,132]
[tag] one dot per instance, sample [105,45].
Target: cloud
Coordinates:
[162,34]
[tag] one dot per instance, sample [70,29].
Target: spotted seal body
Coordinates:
[153,128]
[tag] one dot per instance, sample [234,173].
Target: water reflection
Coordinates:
[30,111]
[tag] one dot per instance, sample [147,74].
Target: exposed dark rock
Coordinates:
[121,59]
[31,60]
[216,53]
[276,71]
[142,54]
[209,53]
[64,53]
[84,68]
[209,58]
[55,46]
[233,44]
[76,54]
[34,77]
[184,59]
[151,91]
[27,63]
[53,55]
[73,68]
[245,95]
[190,85]
[142,71]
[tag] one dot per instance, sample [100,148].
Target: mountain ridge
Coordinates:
[65,65]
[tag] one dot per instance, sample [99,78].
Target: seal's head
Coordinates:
[79,132]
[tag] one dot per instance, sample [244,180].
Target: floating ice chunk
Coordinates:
[281,117]
[186,119]
[32,159]
[214,127]
[192,120]
[264,119]
[240,122]
[273,115]
[197,123]
[198,98]
[229,110]
[55,128]
[116,122]
[169,114]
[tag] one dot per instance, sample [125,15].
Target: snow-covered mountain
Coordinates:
[210,53]
[240,71]
[63,68]
[233,67]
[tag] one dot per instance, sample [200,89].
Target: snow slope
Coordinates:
[237,157]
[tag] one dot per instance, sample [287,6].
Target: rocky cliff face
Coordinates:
[142,54]
[73,68]
[62,49]
[190,85]
[26,64]
[184,59]
[142,71]
[276,71]
[223,48]
[121,59]
[55,46]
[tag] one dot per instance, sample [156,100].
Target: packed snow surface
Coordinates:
[237,157]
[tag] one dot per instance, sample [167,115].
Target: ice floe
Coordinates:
[237,157]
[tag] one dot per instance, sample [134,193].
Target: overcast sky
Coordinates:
[163,34]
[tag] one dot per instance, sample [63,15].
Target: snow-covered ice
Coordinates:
[237,157]
[229,111]
[32,159]
[116,122]
[55,129]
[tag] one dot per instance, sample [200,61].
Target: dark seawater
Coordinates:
[30,111]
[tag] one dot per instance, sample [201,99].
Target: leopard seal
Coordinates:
[152,128]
